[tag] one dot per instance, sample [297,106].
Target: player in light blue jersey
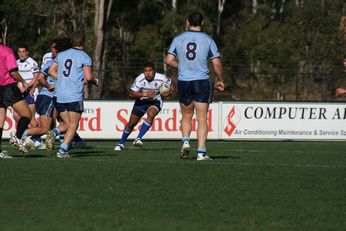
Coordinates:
[71,68]
[190,53]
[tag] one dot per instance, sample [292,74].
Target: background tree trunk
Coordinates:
[95,92]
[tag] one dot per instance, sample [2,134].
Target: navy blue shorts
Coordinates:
[196,90]
[44,105]
[73,106]
[29,99]
[9,95]
[141,106]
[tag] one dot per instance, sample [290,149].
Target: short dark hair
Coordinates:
[149,64]
[195,19]
[62,44]
[78,39]
[23,46]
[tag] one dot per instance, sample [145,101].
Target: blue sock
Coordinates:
[56,132]
[124,136]
[77,138]
[144,128]
[202,151]
[36,138]
[185,138]
[63,147]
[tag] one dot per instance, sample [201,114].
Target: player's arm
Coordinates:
[41,79]
[19,78]
[171,61]
[53,70]
[33,83]
[340,91]
[140,94]
[88,75]
[219,84]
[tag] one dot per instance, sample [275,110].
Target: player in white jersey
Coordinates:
[28,69]
[48,56]
[71,68]
[146,90]
[189,53]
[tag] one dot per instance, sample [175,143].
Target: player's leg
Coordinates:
[201,102]
[187,114]
[33,122]
[11,96]
[63,125]
[74,118]
[42,129]
[3,154]
[74,113]
[24,113]
[133,121]
[22,109]
[74,123]
[79,142]
[146,125]
[44,108]
[16,117]
[202,127]
[185,90]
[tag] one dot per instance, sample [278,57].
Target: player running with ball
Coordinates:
[146,90]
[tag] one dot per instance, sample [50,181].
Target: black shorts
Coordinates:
[44,105]
[72,106]
[9,95]
[141,106]
[29,99]
[194,91]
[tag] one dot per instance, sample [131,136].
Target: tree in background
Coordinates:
[272,49]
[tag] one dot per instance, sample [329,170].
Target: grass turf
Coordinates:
[247,186]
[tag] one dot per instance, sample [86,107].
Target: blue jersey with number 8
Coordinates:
[69,86]
[193,49]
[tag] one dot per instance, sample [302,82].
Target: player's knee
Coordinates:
[130,126]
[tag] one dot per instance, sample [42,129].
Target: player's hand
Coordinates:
[50,88]
[151,94]
[340,91]
[32,91]
[219,85]
[166,94]
[23,87]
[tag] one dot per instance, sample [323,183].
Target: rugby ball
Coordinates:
[165,88]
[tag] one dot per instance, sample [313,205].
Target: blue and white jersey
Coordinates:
[50,80]
[27,68]
[46,58]
[141,84]
[193,49]
[70,82]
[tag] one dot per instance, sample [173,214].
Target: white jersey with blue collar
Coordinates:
[141,84]
[27,68]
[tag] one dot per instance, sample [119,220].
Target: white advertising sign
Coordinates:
[283,121]
[226,120]
[107,119]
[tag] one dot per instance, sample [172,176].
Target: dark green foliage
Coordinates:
[282,48]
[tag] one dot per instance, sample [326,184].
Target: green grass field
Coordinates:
[247,186]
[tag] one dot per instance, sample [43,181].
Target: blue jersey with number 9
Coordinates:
[193,49]
[69,86]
